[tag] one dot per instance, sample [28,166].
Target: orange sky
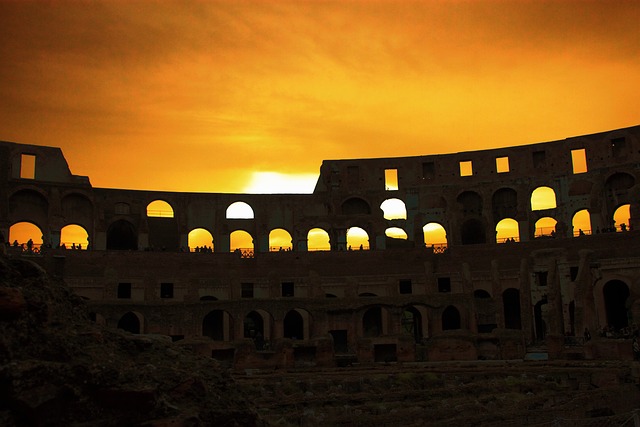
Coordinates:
[197,96]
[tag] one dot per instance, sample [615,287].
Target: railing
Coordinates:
[244,252]
[439,248]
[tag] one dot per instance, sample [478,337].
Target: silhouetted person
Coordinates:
[587,335]
[623,227]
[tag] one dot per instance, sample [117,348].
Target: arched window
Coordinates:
[294,325]
[159,209]
[22,232]
[621,216]
[504,203]
[481,294]
[435,235]
[242,242]
[357,238]
[506,230]
[355,206]
[470,202]
[239,210]
[511,306]
[201,239]
[581,223]
[412,323]
[543,198]
[473,232]
[215,325]
[121,235]
[280,240]
[545,227]
[396,233]
[74,236]
[616,293]
[372,322]
[318,240]
[450,318]
[394,209]
[131,322]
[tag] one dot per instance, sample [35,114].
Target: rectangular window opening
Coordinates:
[502,164]
[391,179]
[247,290]
[166,290]
[573,271]
[124,290]
[618,147]
[405,287]
[579,160]
[466,168]
[287,289]
[28,166]
[539,159]
[428,170]
[541,278]
[444,284]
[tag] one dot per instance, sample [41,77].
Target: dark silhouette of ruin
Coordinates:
[473,294]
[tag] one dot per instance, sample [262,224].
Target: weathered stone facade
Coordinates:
[396,299]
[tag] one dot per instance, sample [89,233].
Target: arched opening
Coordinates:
[77,208]
[357,238]
[28,205]
[412,323]
[504,204]
[511,308]
[470,202]
[74,236]
[545,227]
[200,240]
[130,322]
[473,232]
[394,209]
[318,240]
[621,218]
[581,223]
[293,325]
[254,326]
[435,236]
[396,233]
[450,319]
[355,206]
[26,235]
[121,235]
[481,294]
[239,210]
[616,293]
[507,231]
[280,240]
[159,209]
[619,182]
[241,242]
[372,322]
[213,325]
[543,198]
[208,298]
[540,324]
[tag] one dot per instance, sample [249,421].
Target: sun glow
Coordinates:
[281,183]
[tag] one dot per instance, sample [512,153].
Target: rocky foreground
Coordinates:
[57,368]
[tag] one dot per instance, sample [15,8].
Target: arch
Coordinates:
[122,235]
[619,181]
[511,308]
[394,209]
[504,203]
[411,323]
[28,205]
[471,202]
[543,198]
[217,325]
[208,298]
[239,210]
[355,206]
[200,238]
[540,324]
[256,327]
[473,232]
[357,238]
[616,293]
[74,236]
[434,235]
[367,294]
[241,241]
[159,209]
[450,318]
[506,230]
[280,239]
[296,324]
[621,216]
[481,294]
[372,322]
[545,227]
[131,322]
[21,233]
[396,233]
[581,223]
[318,240]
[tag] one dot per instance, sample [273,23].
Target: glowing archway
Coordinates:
[394,209]
[21,233]
[242,242]
[545,227]
[74,236]
[239,210]
[581,223]
[318,240]
[280,240]
[357,238]
[159,208]
[621,216]
[543,198]
[506,230]
[435,235]
[396,233]
[200,238]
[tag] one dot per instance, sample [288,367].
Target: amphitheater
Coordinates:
[431,274]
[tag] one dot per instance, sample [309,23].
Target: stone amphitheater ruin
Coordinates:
[401,296]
